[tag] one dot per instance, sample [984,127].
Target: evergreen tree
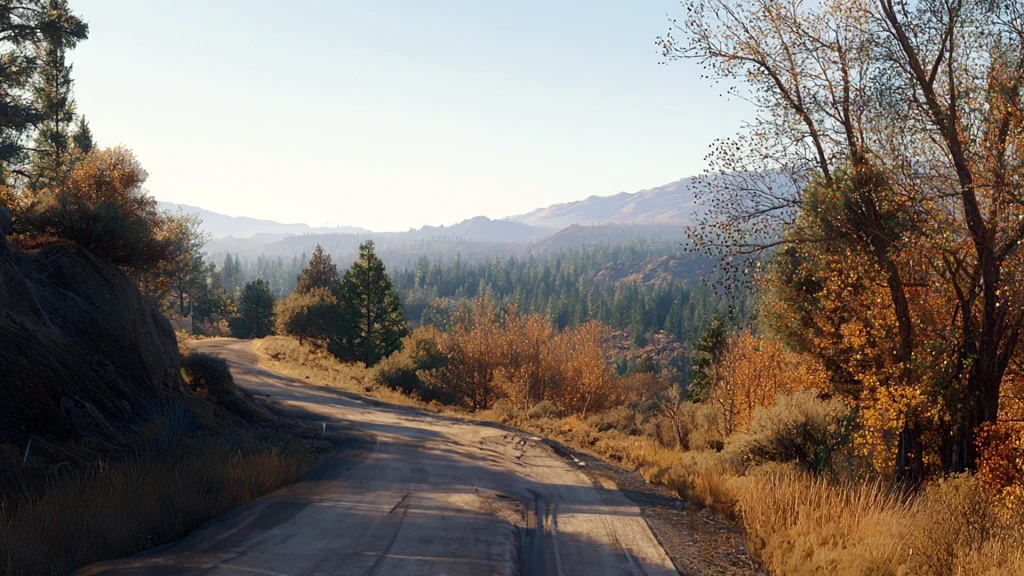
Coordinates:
[255,311]
[314,310]
[26,28]
[708,350]
[373,308]
[83,140]
[52,95]
[320,273]
[229,274]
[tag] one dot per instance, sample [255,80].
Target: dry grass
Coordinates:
[204,453]
[795,523]
[110,511]
[319,367]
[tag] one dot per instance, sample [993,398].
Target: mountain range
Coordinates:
[263,231]
[655,213]
[671,203]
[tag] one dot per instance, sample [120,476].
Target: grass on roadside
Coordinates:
[208,451]
[113,510]
[317,366]
[795,524]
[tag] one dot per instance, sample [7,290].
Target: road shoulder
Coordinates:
[698,542]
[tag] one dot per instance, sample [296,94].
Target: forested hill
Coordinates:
[639,287]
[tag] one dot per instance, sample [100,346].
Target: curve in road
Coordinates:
[418,495]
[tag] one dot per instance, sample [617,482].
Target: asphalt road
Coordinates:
[418,495]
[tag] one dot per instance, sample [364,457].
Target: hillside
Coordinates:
[672,202]
[88,353]
[221,225]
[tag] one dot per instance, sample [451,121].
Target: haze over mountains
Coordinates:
[671,203]
[656,212]
[221,225]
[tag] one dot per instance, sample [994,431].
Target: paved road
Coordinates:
[422,495]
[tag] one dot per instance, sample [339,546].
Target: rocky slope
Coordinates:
[83,357]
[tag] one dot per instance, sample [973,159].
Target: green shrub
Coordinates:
[397,372]
[800,428]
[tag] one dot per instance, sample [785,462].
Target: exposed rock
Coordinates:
[81,352]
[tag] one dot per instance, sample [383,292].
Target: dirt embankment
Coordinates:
[82,355]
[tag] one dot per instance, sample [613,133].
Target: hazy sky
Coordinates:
[392,114]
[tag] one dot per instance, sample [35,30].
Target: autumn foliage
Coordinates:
[492,354]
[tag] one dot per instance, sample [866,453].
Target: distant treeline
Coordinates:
[570,286]
[573,286]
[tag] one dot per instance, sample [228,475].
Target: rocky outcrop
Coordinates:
[82,355]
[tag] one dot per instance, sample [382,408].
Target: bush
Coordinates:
[424,348]
[102,208]
[544,409]
[622,419]
[800,428]
[206,371]
[397,372]
[314,314]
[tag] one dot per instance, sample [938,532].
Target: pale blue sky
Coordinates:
[391,114]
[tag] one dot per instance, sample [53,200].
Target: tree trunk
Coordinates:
[909,471]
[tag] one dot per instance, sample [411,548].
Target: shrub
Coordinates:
[622,419]
[102,208]
[206,371]
[544,409]
[956,518]
[800,428]
[424,348]
[397,372]
[314,314]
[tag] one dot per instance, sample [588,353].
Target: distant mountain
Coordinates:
[577,235]
[480,229]
[672,202]
[242,227]
[476,235]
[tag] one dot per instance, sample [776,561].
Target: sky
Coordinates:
[394,114]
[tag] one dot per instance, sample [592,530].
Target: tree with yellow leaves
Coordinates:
[883,165]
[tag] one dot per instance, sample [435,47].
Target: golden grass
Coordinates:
[206,452]
[113,510]
[318,367]
[794,523]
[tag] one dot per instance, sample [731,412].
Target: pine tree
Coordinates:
[26,27]
[320,273]
[709,349]
[370,303]
[314,310]
[52,96]
[229,274]
[255,311]
[83,140]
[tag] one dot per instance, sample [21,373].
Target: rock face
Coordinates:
[82,355]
